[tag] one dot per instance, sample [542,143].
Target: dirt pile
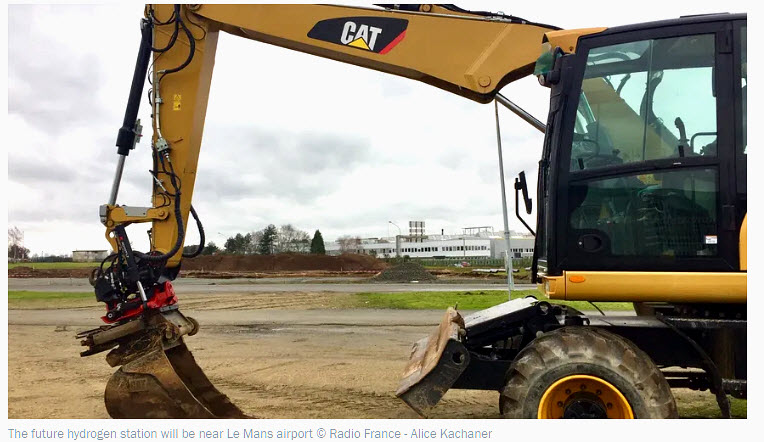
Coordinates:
[283,262]
[408,271]
[29,272]
[238,266]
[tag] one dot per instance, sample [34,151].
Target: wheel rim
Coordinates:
[583,397]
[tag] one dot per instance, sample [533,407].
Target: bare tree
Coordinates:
[250,248]
[291,239]
[16,249]
[349,244]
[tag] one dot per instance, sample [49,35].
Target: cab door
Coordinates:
[648,172]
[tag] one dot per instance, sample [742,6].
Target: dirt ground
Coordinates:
[257,350]
[326,370]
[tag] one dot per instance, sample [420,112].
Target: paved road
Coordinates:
[89,317]
[200,285]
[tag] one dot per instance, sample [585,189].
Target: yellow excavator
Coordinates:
[641,198]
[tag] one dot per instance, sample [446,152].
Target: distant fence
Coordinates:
[472,260]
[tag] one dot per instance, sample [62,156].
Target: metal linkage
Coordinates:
[522,113]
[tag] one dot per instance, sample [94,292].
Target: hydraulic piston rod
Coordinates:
[522,113]
[117,180]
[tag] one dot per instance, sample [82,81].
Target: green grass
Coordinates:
[694,405]
[739,407]
[26,300]
[54,265]
[470,300]
[26,295]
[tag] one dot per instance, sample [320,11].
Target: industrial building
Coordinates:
[474,242]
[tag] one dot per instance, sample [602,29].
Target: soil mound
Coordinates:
[284,262]
[408,271]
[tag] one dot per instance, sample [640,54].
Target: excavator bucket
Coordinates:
[159,377]
[436,362]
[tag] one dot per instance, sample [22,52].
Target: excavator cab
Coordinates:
[642,198]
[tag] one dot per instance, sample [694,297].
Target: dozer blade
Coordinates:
[159,377]
[436,362]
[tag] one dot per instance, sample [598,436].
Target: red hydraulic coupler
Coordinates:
[163,295]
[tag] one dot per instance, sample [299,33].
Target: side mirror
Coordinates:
[521,185]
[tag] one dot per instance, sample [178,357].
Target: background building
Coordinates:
[89,255]
[474,242]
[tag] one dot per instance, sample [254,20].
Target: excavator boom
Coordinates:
[467,54]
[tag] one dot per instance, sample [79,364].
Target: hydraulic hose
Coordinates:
[174,37]
[178,219]
[201,236]
[192,49]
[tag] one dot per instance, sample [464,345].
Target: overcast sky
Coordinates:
[289,137]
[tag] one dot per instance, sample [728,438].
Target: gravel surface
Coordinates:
[408,271]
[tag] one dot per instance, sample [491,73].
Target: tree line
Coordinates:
[268,241]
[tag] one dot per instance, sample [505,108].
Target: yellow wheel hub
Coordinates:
[583,396]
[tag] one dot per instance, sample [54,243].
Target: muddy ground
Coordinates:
[276,355]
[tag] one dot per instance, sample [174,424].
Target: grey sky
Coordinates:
[289,137]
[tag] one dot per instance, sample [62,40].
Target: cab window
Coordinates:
[668,214]
[646,100]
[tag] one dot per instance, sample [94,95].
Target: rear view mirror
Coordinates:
[521,185]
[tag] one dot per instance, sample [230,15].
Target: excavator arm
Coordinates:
[471,54]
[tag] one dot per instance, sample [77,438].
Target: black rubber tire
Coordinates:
[590,351]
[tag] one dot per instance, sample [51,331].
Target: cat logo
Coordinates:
[364,38]
[375,34]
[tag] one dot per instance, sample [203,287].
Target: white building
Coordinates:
[89,255]
[480,243]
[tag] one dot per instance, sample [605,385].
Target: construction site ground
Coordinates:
[277,354]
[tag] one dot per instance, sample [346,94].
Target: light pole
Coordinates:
[397,240]
[221,246]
